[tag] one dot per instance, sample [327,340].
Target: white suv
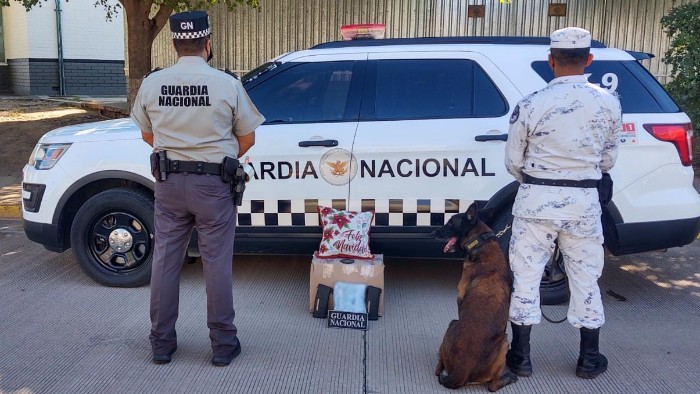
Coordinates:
[413,129]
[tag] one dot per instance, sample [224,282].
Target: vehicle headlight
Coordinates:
[45,156]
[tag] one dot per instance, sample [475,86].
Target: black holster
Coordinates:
[605,189]
[232,173]
[159,166]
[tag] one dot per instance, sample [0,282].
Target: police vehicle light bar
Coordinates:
[362,31]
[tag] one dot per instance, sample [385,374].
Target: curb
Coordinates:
[106,110]
[11,211]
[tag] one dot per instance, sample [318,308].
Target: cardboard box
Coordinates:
[329,271]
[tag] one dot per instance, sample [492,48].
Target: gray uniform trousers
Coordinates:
[184,201]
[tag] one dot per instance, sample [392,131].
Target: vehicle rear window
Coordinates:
[638,90]
[308,92]
[435,88]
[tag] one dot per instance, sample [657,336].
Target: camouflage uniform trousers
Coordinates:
[531,248]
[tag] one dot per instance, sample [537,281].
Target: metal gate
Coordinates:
[246,38]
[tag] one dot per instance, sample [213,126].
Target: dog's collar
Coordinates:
[476,242]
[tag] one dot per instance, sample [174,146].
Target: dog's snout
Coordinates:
[442,233]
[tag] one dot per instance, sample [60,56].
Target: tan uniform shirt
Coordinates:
[194,110]
[568,130]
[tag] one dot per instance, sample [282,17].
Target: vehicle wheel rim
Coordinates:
[119,242]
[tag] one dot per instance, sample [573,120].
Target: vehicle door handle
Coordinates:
[305,144]
[491,137]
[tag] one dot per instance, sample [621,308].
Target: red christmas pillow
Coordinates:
[345,233]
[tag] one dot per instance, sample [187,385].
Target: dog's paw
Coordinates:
[505,379]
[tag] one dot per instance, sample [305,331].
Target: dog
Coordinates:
[473,350]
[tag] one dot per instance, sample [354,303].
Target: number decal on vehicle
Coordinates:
[609,81]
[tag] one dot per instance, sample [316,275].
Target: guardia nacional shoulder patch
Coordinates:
[515,115]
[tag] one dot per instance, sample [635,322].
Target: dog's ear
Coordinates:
[472,213]
[486,215]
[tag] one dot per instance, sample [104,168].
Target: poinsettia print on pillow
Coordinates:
[345,233]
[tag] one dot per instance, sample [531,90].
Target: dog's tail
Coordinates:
[446,380]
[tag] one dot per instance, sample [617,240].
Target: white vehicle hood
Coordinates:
[106,130]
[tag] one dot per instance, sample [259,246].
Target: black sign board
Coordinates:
[341,319]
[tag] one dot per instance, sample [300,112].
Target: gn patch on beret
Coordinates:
[189,25]
[570,38]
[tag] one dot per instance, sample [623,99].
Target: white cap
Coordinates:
[570,38]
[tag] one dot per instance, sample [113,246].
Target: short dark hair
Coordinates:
[570,56]
[194,46]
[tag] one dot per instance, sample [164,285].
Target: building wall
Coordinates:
[14,19]
[87,35]
[246,38]
[93,50]
[82,77]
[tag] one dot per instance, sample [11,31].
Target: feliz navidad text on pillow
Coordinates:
[351,242]
[345,233]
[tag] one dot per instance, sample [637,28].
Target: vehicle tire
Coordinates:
[112,237]
[554,286]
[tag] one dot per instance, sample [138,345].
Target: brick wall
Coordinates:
[94,77]
[82,77]
[19,76]
[5,79]
[43,76]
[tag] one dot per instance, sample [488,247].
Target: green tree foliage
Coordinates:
[145,19]
[682,25]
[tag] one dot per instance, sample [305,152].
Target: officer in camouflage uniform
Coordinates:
[561,140]
[197,115]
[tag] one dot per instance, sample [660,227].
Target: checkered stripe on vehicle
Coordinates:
[388,212]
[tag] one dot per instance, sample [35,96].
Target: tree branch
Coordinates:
[160,19]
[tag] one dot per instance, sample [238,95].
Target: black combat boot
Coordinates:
[518,357]
[590,362]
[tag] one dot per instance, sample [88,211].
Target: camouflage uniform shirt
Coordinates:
[568,130]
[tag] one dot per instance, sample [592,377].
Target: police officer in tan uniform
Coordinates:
[562,139]
[194,115]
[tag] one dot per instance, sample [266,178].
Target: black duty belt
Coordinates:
[586,183]
[194,167]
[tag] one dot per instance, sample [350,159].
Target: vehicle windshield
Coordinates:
[258,71]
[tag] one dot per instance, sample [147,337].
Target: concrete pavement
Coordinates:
[62,333]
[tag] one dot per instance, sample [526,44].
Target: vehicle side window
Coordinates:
[308,92]
[488,101]
[639,92]
[435,88]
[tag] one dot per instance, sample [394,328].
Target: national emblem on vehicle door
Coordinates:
[338,166]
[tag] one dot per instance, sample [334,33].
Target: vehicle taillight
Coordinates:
[363,31]
[681,135]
